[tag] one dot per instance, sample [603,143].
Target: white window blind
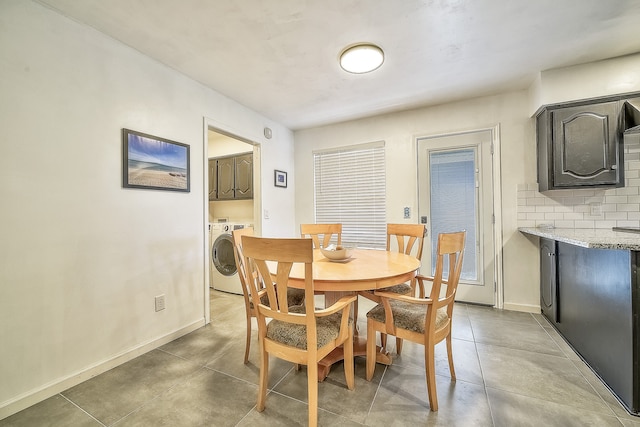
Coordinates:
[454,203]
[350,189]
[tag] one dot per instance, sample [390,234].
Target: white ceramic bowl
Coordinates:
[338,254]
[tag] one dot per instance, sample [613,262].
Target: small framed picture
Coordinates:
[280,179]
[154,163]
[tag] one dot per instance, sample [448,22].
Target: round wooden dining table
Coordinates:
[365,270]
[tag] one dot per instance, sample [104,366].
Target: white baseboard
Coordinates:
[32,397]
[527,308]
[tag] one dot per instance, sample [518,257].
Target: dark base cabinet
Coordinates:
[598,302]
[548,280]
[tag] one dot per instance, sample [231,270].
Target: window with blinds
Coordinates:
[350,187]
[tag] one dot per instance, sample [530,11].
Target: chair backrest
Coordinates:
[280,254]
[240,261]
[324,231]
[450,246]
[407,236]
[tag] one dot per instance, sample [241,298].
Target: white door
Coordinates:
[455,185]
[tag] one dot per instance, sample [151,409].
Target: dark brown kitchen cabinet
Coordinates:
[591,296]
[580,145]
[233,177]
[599,304]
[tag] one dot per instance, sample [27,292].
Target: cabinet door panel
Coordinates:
[548,292]
[585,144]
[244,176]
[226,182]
[213,179]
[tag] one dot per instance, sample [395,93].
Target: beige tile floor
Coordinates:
[513,369]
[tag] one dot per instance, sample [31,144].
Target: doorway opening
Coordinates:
[239,160]
[224,205]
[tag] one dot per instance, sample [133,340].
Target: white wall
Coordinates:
[400,130]
[608,77]
[81,258]
[222,145]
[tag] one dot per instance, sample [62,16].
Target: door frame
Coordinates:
[244,136]
[497,199]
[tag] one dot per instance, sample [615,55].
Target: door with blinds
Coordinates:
[455,186]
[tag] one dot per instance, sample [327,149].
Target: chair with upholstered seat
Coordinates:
[409,240]
[321,234]
[425,321]
[302,335]
[295,296]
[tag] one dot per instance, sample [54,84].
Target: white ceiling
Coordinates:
[280,57]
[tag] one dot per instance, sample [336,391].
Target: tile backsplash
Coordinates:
[585,208]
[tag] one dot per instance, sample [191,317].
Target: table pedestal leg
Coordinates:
[359,344]
[359,349]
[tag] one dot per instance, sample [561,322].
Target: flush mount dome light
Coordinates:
[361,58]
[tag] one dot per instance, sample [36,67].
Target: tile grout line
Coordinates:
[375,395]
[77,406]
[564,356]
[159,395]
[484,382]
[573,362]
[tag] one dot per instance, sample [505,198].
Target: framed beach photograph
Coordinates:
[154,163]
[280,179]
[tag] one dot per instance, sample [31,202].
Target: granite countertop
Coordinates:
[588,238]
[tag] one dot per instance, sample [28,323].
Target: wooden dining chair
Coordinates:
[321,235]
[321,231]
[294,296]
[302,335]
[409,240]
[425,321]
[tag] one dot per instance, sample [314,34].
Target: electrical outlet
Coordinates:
[266,214]
[595,209]
[407,212]
[160,303]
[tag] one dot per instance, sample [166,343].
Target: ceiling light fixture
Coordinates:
[361,58]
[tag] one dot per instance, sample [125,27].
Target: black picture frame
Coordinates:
[280,178]
[154,163]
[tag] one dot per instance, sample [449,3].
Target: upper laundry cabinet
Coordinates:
[231,177]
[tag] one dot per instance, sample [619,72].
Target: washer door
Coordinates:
[222,255]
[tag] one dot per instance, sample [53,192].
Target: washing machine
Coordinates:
[223,274]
